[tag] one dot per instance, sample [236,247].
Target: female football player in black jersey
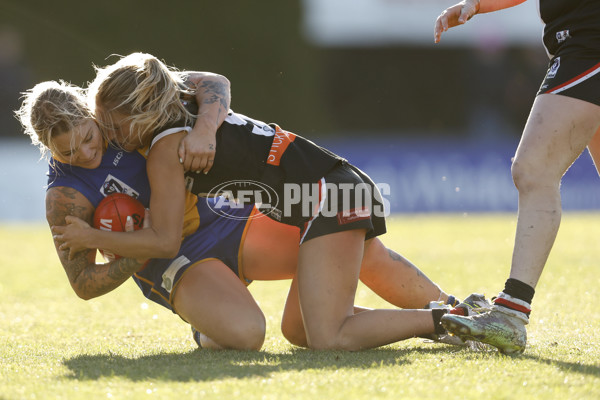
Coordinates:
[564,119]
[140,102]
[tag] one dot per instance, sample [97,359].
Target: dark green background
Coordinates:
[276,74]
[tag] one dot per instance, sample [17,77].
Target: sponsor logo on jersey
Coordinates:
[115,185]
[356,214]
[553,68]
[281,141]
[117,158]
[562,36]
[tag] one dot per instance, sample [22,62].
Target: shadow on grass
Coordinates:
[587,369]
[206,365]
[572,367]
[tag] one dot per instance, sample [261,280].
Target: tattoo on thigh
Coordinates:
[398,258]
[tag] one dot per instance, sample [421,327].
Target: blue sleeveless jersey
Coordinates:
[119,171]
[216,238]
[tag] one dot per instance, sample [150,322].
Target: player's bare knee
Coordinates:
[295,335]
[527,177]
[249,335]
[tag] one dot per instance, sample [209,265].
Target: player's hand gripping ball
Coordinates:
[111,215]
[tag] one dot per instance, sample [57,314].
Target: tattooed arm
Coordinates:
[87,278]
[197,149]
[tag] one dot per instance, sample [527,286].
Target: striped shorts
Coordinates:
[572,75]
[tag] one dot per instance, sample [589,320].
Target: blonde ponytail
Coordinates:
[144,89]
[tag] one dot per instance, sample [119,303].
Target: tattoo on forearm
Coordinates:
[100,279]
[91,279]
[123,268]
[77,267]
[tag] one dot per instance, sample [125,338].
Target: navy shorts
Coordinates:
[576,76]
[218,238]
[348,200]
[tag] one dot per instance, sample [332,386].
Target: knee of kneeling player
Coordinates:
[246,335]
[294,334]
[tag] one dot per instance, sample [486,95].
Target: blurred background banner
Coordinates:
[439,123]
[391,22]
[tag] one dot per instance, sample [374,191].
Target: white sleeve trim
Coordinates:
[168,132]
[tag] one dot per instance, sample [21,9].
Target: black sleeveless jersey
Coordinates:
[251,150]
[571,26]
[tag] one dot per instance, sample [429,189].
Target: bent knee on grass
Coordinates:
[235,334]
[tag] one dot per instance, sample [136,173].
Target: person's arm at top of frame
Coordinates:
[460,13]
[87,278]
[162,238]
[213,95]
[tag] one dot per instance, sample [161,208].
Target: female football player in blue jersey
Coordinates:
[141,103]
[564,119]
[205,281]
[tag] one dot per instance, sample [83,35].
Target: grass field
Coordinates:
[56,346]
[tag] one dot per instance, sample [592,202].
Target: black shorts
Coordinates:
[574,76]
[348,200]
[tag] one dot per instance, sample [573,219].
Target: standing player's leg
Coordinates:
[557,131]
[594,149]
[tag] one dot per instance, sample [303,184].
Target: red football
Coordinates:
[111,215]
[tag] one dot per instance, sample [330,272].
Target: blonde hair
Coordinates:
[50,109]
[142,88]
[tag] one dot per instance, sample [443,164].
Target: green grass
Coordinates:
[56,346]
